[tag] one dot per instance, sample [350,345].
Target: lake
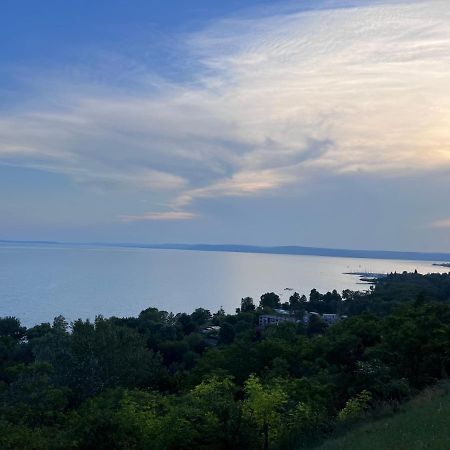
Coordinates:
[38,282]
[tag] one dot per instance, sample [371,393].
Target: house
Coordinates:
[272,319]
[330,319]
[307,317]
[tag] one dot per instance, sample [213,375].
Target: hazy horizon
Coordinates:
[292,250]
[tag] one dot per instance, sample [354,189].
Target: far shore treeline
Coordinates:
[275,250]
[211,380]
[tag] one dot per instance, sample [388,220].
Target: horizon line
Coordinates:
[258,249]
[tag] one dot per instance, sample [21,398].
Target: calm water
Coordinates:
[39,282]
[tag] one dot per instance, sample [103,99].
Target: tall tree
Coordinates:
[247,304]
[270,300]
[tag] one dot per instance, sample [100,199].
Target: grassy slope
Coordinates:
[424,423]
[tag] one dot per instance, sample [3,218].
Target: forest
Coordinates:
[217,381]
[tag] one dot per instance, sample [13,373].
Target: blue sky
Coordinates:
[321,123]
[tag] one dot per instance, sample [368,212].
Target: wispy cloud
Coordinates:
[443,223]
[275,99]
[159,216]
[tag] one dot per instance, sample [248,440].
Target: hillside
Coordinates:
[276,250]
[423,423]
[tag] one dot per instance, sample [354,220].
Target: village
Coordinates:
[281,316]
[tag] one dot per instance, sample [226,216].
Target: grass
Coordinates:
[423,423]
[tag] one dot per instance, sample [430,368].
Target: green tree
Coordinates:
[315,325]
[200,316]
[31,398]
[188,326]
[247,304]
[226,333]
[295,301]
[355,407]
[11,327]
[216,397]
[116,420]
[270,300]
[263,406]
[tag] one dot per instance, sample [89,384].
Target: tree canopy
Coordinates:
[219,381]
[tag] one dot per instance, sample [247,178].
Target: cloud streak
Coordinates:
[159,216]
[444,223]
[275,99]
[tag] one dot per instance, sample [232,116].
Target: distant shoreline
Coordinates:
[277,250]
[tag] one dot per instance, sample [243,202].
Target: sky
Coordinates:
[315,123]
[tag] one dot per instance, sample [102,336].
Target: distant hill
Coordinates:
[279,250]
[313,251]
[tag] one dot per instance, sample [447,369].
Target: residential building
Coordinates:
[272,319]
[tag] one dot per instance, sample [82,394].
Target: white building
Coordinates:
[331,318]
[274,319]
[271,319]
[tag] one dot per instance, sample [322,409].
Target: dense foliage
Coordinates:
[218,381]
